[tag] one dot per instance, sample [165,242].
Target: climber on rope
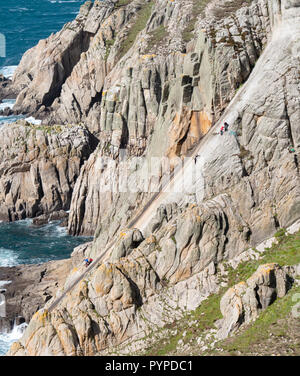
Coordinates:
[88,262]
[222,130]
[226,126]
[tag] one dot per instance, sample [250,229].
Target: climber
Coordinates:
[88,262]
[195,158]
[226,126]
[222,130]
[291,149]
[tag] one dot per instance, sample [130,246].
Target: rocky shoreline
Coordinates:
[30,287]
[130,75]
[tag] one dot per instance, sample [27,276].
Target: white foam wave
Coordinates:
[8,71]
[4,283]
[7,103]
[60,231]
[7,339]
[8,257]
[34,121]
[64,1]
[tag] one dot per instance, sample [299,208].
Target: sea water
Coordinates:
[23,24]
[22,242]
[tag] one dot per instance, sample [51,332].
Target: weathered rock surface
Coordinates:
[169,272]
[7,91]
[88,51]
[243,302]
[39,167]
[263,117]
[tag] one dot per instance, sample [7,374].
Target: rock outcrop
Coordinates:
[243,302]
[95,50]
[7,91]
[39,166]
[182,92]
[258,156]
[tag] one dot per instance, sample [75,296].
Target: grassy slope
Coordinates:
[198,8]
[138,25]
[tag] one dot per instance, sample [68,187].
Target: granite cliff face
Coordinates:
[182,87]
[145,85]
[39,167]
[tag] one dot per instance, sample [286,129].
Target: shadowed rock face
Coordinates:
[6,89]
[154,105]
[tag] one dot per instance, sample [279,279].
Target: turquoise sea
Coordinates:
[23,24]
[23,243]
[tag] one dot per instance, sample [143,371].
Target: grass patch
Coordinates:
[198,7]
[157,36]
[122,3]
[109,43]
[286,252]
[204,317]
[271,323]
[139,24]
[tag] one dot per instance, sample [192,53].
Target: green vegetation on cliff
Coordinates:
[274,331]
[157,36]
[138,25]
[198,7]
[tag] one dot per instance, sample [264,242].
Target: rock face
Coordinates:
[94,50]
[183,92]
[6,88]
[243,302]
[39,167]
[76,54]
[138,289]
[163,104]
[257,157]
